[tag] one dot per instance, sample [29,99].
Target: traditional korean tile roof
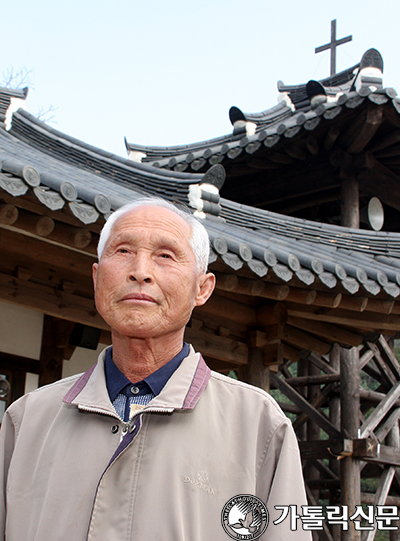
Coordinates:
[63,173]
[7,95]
[301,109]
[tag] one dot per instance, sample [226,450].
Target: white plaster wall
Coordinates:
[20,330]
[81,360]
[31,382]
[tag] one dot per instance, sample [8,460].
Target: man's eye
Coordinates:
[166,256]
[123,251]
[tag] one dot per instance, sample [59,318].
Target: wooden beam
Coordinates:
[390,152]
[31,204]
[329,300]
[350,203]
[354,303]
[350,406]
[327,536]
[40,251]
[338,448]
[256,373]
[278,157]
[380,411]
[373,120]
[296,152]
[334,417]
[319,400]
[333,333]
[50,301]
[389,377]
[36,224]
[273,354]
[365,357]
[69,235]
[218,347]
[255,288]
[305,340]
[302,296]
[389,356]
[393,440]
[7,360]
[388,424]
[26,268]
[331,136]
[386,455]
[55,339]
[271,314]
[8,214]
[291,354]
[386,141]
[374,397]
[312,145]
[365,321]
[379,181]
[368,498]
[229,310]
[312,380]
[380,305]
[305,406]
[323,365]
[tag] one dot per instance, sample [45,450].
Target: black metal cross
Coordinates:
[332,46]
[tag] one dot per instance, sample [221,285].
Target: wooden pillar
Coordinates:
[313,429]
[55,338]
[302,370]
[255,372]
[350,203]
[393,439]
[350,410]
[334,417]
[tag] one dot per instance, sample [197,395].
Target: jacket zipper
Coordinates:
[125,427]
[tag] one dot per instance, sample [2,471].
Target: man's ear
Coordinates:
[94,274]
[206,287]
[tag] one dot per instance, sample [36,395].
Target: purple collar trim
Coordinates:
[78,386]
[199,383]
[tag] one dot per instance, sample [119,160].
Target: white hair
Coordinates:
[199,240]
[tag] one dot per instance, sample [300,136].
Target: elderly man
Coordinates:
[149,444]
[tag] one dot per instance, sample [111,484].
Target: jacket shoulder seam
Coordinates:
[252,388]
[14,421]
[62,381]
[263,457]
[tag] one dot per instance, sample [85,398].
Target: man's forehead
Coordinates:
[160,220]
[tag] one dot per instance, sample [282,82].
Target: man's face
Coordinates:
[146,282]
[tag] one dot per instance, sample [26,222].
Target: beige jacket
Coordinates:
[72,470]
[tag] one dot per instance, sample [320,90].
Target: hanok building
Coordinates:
[308,283]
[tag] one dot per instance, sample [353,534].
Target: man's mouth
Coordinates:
[139,297]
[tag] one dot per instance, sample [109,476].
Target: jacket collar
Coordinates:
[182,391]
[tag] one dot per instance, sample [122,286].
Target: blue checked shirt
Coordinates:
[123,393]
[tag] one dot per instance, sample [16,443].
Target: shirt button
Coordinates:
[114,429]
[134,390]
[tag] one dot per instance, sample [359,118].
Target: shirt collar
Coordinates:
[116,380]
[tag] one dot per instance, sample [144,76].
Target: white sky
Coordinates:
[166,72]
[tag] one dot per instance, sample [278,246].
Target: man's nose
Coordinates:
[141,269]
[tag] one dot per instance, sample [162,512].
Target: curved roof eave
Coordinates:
[262,241]
[28,128]
[199,158]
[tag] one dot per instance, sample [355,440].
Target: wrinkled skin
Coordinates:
[147,284]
